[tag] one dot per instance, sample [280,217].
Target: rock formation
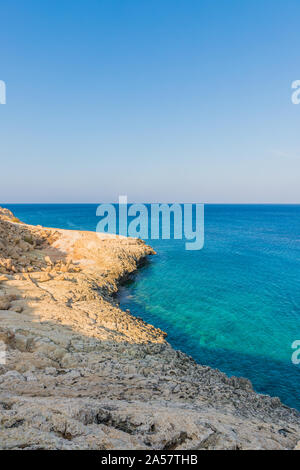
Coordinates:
[76,372]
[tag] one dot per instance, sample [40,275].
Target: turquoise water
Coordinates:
[235,305]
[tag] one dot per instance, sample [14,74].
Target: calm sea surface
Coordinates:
[235,305]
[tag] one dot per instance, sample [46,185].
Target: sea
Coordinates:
[233,305]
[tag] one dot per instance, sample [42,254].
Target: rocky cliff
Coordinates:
[79,373]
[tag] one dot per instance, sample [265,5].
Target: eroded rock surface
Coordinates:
[79,373]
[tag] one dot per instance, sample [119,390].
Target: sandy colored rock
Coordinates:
[82,374]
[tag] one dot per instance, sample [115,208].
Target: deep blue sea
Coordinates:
[234,305]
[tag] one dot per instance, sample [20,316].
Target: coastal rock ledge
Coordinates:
[76,372]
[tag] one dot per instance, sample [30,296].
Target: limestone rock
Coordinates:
[79,373]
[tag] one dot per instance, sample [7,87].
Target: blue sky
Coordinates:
[161,100]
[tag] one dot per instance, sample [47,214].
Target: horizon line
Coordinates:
[205,203]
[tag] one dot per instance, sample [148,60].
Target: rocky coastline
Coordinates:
[77,372]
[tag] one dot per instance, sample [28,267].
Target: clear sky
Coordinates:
[162,100]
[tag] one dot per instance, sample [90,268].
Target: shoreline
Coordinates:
[82,373]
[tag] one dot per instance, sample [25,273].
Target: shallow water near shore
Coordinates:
[235,305]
